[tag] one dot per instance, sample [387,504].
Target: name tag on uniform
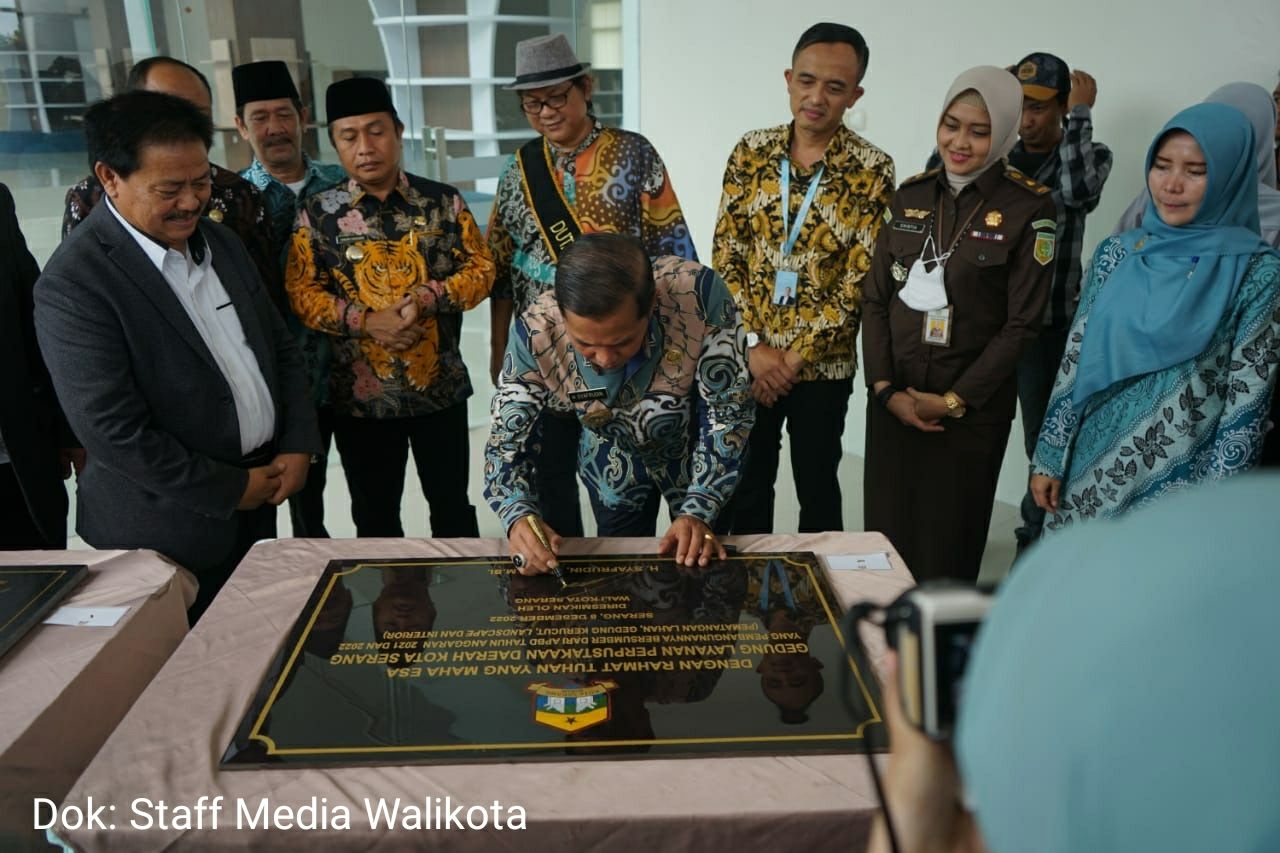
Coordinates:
[904,225]
[588,395]
[937,327]
[786,287]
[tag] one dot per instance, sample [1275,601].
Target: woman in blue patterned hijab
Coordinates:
[1171,359]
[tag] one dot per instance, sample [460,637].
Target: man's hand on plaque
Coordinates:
[692,542]
[523,543]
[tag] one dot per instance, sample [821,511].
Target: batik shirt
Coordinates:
[233,202]
[351,253]
[282,205]
[613,181]
[831,256]
[676,417]
[1151,435]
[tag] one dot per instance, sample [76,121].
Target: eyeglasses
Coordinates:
[533,106]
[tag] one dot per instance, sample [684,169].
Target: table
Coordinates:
[168,747]
[64,689]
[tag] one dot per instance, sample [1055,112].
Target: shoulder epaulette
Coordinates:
[1031,185]
[914,179]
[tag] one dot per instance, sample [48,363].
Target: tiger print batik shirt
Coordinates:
[351,253]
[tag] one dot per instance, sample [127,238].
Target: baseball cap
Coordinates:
[1043,76]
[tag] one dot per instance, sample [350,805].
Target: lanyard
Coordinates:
[804,205]
[769,569]
[959,234]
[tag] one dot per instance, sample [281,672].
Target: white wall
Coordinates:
[712,69]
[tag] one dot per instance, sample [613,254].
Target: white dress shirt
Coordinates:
[205,300]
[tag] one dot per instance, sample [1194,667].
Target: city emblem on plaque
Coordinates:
[571,709]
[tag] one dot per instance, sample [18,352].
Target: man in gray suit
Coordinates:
[173,366]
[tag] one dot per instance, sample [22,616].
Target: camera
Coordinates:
[932,627]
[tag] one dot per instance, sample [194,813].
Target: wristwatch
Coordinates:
[955,409]
[753,340]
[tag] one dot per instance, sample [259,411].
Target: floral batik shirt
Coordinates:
[613,181]
[832,254]
[1148,436]
[351,253]
[677,417]
[283,205]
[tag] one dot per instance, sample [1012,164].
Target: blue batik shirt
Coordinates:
[677,418]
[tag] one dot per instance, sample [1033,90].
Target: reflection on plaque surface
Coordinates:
[455,660]
[28,593]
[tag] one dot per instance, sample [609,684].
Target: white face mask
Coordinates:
[925,290]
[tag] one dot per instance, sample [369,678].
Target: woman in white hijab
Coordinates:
[1260,109]
[957,290]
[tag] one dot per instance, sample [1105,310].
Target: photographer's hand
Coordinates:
[922,785]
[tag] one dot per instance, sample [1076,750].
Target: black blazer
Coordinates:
[142,391]
[30,419]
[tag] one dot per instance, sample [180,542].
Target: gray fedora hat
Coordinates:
[546,61]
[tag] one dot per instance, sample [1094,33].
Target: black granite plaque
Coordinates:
[457,660]
[28,593]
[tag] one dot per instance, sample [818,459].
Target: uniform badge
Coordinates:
[587,395]
[354,253]
[993,219]
[1043,252]
[910,227]
[915,213]
[937,327]
[215,215]
[898,271]
[993,236]
[1040,224]
[597,418]
[1026,70]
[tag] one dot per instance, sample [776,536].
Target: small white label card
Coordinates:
[874,562]
[95,617]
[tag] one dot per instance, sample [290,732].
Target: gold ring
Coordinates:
[709,537]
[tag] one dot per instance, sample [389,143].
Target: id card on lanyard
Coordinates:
[786,282]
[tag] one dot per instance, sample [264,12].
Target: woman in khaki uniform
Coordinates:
[957,290]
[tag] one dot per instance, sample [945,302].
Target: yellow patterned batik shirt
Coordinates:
[831,256]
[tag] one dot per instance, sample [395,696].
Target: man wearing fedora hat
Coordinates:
[385,263]
[271,118]
[578,177]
